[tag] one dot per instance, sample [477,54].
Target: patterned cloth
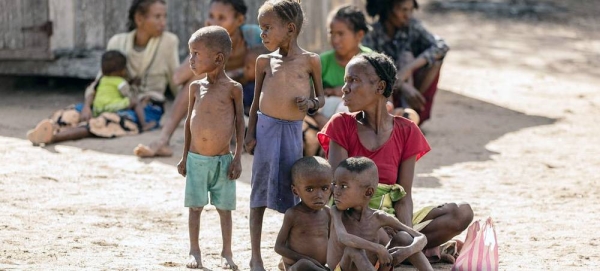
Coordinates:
[413,38]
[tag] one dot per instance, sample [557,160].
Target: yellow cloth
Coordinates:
[418,216]
[155,64]
[385,196]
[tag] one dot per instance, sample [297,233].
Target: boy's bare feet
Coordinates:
[228,264]
[42,133]
[195,260]
[155,149]
[257,265]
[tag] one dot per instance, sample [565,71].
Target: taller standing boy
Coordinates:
[215,112]
[283,96]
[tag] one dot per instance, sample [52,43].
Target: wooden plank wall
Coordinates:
[96,21]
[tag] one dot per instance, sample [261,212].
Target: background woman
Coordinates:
[231,15]
[152,58]
[416,52]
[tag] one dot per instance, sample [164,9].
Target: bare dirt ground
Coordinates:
[515,132]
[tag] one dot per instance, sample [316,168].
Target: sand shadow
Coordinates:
[460,129]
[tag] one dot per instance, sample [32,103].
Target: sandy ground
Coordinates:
[515,133]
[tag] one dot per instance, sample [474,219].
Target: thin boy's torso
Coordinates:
[309,233]
[212,122]
[367,228]
[285,78]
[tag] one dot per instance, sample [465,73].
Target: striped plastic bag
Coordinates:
[480,251]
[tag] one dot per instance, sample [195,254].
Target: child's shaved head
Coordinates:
[215,38]
[362,165]
[310,166]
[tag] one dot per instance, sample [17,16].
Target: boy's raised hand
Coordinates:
[235,169]
[303,103]
[181,167]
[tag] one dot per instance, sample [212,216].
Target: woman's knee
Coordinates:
[462,214]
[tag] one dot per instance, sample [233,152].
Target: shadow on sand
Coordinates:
[460,129]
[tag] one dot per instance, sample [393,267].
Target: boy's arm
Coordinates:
[235,169]
[261,62]
[404,207]
[188,133]
[315,66]
[351,240]
[281,247]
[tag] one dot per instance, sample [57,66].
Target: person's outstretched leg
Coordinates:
[42,133]
[256,221]
[195,257]
[226,228]
[448,220]
[160,147]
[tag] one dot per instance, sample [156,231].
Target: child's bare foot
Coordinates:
[149,126]
[257,265]
[228,264]
[42,133]
[195,260]
[153,150]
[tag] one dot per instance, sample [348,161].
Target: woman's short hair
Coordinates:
[384,67]
[382,8]
[353,16]
[142,7]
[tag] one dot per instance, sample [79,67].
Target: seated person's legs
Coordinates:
[356,258]
[160,147]
[141,116]
[447,221]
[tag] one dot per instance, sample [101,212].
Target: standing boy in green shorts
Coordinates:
[215,112]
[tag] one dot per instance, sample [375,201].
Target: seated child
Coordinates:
[250,75]
[113,93]
[354,240]
[302,240]
[215,113]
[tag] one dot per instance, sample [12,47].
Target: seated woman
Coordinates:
[231,15]
[394,144]
[152,58]
[347,27]
[416,52]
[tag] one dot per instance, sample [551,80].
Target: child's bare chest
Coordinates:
[289,70]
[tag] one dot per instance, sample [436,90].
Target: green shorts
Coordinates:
[208,174]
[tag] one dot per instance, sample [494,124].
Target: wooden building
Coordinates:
[66,37]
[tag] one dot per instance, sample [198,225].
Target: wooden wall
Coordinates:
[81,29]
[88,24]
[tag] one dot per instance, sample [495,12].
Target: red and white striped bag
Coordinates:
[480,251]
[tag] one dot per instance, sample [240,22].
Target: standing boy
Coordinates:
[354,240]
[215,112]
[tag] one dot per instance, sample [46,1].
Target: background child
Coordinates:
[302,240]
[283,96]
[354,241]
[215,112]
[113,92]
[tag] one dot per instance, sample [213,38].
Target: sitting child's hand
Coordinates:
[135,81]
[384,257]
[181,167]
